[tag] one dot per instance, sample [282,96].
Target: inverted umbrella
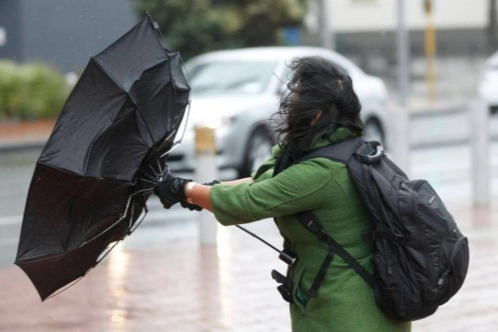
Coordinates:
[103,158]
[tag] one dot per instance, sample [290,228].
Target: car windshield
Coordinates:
[230,77]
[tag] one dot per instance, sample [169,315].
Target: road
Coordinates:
[441,153]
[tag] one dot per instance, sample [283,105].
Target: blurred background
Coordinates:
[426,72]
[452,39]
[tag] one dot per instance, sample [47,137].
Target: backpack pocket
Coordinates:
[453,275]
[388,291]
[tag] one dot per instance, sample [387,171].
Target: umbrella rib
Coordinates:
[138,108]
[149,181]
[109,75]
[175,144]
[117,221]
[132,229]
[74,282]
[111,226]
[115,81]
[147,127]
[107,253]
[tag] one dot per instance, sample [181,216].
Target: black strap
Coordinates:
[340,152]
[395,239]
[322,272]
[312,224]
[285,289]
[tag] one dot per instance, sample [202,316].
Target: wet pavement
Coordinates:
[172,283]
[162,279]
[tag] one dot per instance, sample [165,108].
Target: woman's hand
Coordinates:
[171,190]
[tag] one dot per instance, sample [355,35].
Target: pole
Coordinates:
[491,29]
[326,35]
[481,168]
[399,119]
[430,50]
[206,170]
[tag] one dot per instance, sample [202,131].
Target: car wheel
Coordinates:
[373,132]
[258,151]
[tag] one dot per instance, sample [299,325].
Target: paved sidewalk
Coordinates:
[179,285]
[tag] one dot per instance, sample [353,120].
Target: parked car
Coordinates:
[237,91]
[488,83]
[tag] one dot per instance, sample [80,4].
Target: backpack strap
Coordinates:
[312,224]
[340,152]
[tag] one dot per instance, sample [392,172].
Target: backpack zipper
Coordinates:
[452,257]
[416,202]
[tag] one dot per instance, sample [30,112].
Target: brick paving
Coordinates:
[176,284]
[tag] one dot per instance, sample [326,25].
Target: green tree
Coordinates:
[196,26]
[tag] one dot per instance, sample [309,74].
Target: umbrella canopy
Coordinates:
[103,158]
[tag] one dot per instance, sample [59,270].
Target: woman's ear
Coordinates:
[317,117]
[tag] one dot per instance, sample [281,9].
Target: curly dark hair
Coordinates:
[317,85]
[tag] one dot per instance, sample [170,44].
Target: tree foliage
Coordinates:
[197,26]
[31,91]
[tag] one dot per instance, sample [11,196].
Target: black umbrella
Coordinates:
[103,158]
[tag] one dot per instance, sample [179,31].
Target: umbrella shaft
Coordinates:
[257,237]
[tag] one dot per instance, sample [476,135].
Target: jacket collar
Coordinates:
[338,135]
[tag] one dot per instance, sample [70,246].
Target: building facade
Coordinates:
[366,32]
[62,33]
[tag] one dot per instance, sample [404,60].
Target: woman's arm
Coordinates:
[238,181]
[199,194]
[304,186]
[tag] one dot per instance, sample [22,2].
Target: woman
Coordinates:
[321,109]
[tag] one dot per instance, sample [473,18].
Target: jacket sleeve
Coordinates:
[265,171]
[298,188]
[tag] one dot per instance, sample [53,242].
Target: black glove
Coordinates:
[191,207]
[212,183]
[171,190]
[195,207]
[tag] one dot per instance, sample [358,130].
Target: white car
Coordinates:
[237,91]
[488,84]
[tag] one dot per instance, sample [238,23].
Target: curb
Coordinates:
[20,145]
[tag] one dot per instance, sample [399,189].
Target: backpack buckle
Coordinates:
[286,287]
[321,235]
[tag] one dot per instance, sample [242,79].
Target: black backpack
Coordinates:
[421,258]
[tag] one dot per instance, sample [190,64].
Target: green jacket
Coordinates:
[344,301]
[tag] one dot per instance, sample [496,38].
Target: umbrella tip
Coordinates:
[153,22]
